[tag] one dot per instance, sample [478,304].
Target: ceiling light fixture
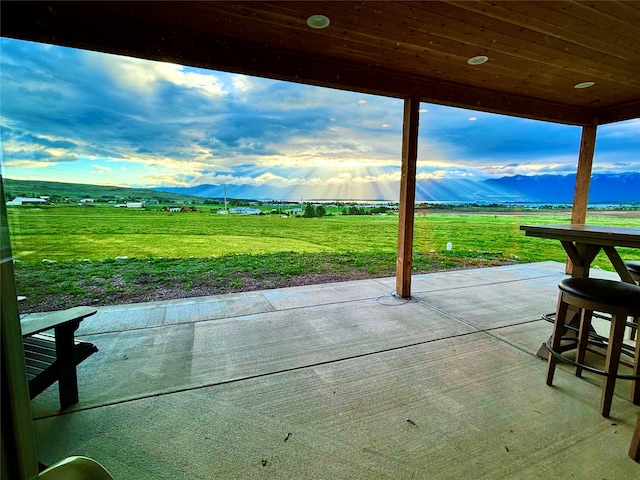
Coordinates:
[318,21]
[584,84]
[479,60]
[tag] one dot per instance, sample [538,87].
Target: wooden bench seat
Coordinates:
[51,358]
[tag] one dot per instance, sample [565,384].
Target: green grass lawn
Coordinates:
[76,233]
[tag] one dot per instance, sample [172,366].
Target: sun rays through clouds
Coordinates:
[87,117]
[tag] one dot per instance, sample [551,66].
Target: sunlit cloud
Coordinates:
[147,77]
[382,177]
[26,164]
[437,175]
[155,179]
[621,130]
[242,83]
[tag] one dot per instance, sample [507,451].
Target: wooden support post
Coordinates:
[583,179]
[407,196]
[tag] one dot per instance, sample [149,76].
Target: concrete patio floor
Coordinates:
[340,381]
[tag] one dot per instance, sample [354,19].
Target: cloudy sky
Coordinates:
[85,117]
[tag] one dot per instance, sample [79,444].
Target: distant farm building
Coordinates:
[171,208]
[27,201]
[245,211]
[135,205]
[175,208]
[85,201]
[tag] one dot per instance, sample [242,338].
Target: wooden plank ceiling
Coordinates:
[537,50]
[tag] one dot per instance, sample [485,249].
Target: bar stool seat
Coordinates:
[589,295]
[634,269]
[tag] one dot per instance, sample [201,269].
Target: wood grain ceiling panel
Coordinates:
[538,50]
[424,45]
[532,46]
[612,21]
[547,21]
[523,18]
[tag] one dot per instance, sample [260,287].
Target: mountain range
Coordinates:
[604,188]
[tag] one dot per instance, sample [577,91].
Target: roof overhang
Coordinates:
[270,40]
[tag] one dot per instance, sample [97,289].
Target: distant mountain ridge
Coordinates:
[604,188]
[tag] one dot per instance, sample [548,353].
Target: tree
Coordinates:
[320,211]
[309,211]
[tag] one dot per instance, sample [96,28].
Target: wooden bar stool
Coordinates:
[634,270]
[618,299]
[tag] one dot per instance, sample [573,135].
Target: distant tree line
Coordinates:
[311,211]
[355,210]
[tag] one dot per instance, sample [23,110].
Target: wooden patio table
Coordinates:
[582,243]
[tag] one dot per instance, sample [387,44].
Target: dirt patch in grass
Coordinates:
[55,286]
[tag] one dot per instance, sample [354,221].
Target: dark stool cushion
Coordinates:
[604,291]
[633,267]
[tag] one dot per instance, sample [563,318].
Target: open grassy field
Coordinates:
[77,233]
[189,250]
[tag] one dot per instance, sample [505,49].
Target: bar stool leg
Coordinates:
[616,335]
[556,337]
[583,338]
[635,384]
[634,447]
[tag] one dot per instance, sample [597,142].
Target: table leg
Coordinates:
[67,377]
[581,255]
[619,265]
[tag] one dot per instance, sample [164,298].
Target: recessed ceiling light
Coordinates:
[318,21]
[584,85]
[479,60]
